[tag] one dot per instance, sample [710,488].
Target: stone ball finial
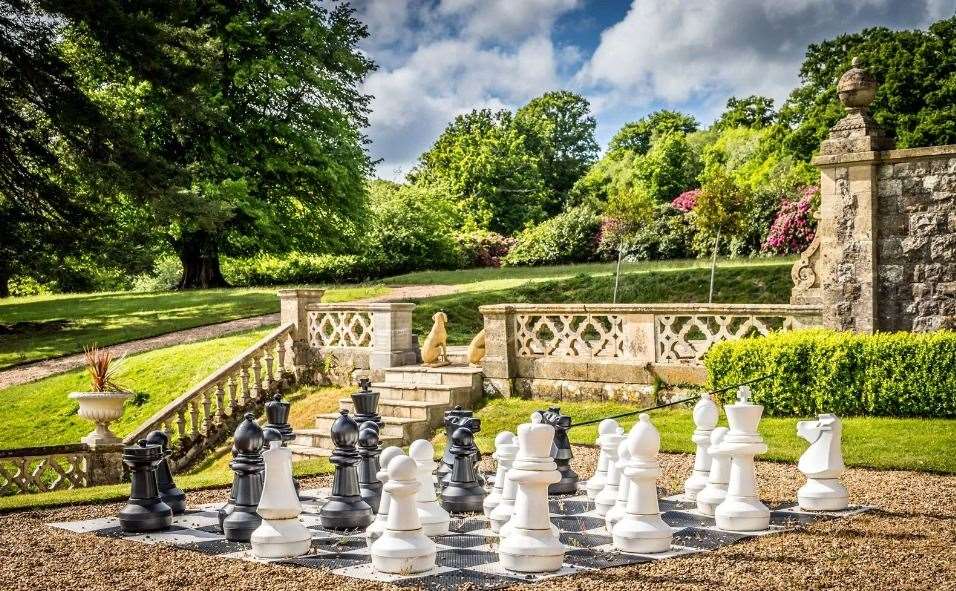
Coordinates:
[857,87]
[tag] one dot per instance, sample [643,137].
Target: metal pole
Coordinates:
[617,272]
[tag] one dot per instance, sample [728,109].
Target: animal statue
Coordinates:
[822,464]
[476,349]
[435,347]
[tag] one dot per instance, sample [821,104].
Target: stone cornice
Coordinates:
[885,156]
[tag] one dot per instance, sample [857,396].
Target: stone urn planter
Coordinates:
[100,408]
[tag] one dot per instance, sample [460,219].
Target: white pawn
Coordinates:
[706,415]
[822,464]
[532,546]
[716,490]
[373,531]
[281,534]
[606,499]
[596,483]
[434,518]
[403,548]
[742,509]
[620,505]
[502,512]
[641,529]
[505,439]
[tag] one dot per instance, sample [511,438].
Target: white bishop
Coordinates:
[641,529]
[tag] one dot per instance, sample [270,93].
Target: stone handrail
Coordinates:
[57,467]
[202,417]
[620,342]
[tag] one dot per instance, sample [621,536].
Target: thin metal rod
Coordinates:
[690,399]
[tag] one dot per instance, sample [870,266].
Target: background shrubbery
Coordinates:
[569,237]
[817,371]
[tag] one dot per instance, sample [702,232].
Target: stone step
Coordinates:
[449,375]
[432,412]
[317,438]
[404,428]
[435,393]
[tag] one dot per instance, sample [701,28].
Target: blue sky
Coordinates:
[439,58]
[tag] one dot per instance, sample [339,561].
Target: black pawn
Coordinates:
[145,511]
[168,491]
[561,452]
[462,494]
[452,421]
[345,508]
[247,465]
[370,486]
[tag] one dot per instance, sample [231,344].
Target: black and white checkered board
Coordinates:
[469,553]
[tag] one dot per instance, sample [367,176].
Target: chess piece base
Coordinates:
[594,485]
[456,499]
[711,497]
[617,513]
[176,499]
[605,500]
[823,494]
[568,484]
[403,552]
[531,551]
[281,538]
[693,485]
[376,529]
[240,523]
[742,514]
[645,534]
[145,516]
[345,513]
[434,519]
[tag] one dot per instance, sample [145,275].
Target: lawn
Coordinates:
[40,327]
[764,281]
[886,443]
[39,413]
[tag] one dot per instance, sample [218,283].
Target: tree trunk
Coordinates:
[199,255]
[713,268]
[4,284]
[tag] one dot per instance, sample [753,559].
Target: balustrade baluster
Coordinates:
[194,417]
[244,389]
[233,394]
[220,403]
[280,350]
[257,377]
[269,378]
[181,421]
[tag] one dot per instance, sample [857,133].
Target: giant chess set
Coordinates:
[412,521]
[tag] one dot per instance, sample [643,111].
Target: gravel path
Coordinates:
[909,542]
[31,372]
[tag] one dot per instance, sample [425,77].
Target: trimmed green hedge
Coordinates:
[813,371]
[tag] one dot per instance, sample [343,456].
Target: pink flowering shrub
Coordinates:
[686,200]
[794,227]
[483,248]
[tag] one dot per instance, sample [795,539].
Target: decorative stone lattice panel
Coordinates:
[685,338]
[340,329]
[32,474]
[570,335]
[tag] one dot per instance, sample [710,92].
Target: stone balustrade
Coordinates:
[335,340]
[205,415]
[592,346]
[58,467]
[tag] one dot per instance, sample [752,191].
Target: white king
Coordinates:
[742,510]
[531,546]
[822,464]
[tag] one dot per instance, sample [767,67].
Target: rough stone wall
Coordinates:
[916,243]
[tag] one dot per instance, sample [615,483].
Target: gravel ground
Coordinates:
[30,372]
[908,542]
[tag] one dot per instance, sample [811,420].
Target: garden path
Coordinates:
[31,372]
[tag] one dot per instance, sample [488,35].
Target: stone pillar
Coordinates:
[499,362]
[639,341]
[292,308]
[392,335]
[839,270]
[105,465]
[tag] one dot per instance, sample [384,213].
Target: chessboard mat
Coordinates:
[469,553]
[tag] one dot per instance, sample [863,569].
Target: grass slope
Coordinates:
[766,283]
[56,325]
[885,443]
[39,413]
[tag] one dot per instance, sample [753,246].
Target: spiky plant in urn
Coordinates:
[103,404]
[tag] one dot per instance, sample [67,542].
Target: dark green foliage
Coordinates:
[765,284]
[815,371]
[637,136]
[916,101]
[558,127]
[570,237]
[754,111]
[669,235]
[298,268]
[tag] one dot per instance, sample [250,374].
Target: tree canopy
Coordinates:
[753,111]
[637,136]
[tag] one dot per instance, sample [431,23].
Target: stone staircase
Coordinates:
[412,402]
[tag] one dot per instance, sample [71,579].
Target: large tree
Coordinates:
[916,101]
[558,127]
[753,111]
[265,137]
[638,136]
[482,161]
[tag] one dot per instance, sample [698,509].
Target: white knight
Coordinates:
[822,464]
